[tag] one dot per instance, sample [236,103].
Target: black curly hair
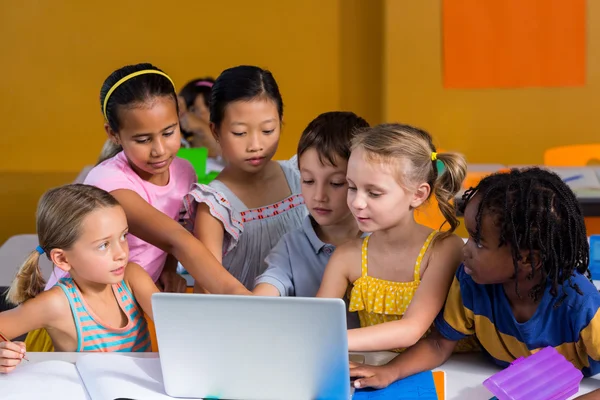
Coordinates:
[537,212]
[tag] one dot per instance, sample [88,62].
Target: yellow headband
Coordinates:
[128,77]
[433,156]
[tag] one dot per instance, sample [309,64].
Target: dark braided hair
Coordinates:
[537,212]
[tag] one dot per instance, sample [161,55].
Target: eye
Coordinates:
[338,184]
[103,246]
[351,188]
[142,141]
[238,133]
[477,244]
[167,134]
[308,182]
[269,132]
[374,195]
[124,236]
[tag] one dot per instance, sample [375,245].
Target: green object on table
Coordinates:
[208,178]
[197,156]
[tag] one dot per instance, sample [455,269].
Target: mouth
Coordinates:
[468,270]
[118,271]
[255,160]
[321,211]
[159,164]
[362,219]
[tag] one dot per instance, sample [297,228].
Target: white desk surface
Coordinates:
[465,373]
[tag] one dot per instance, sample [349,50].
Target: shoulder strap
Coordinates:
[417,274]
[69,289]
[125,298]
[363,256]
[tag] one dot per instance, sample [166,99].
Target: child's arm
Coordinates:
[142,287]
[427,302]
[40,312]
[209,230]
[337,273]
[277,280]
[170,281]
[266,289]
[156,228]
[586,320]
[427,354]
[595,395]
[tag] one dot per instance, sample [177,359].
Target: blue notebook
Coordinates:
[417,387]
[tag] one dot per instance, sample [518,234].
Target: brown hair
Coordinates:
[390,143]
[330,134]
[59,216]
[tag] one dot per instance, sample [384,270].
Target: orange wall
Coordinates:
[361,58]
[511,126]
[380,58]
[60,52]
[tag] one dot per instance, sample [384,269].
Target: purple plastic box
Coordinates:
[545,375]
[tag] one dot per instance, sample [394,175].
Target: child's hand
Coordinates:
[595,395]
[371,376]
[172,282]
[11,355]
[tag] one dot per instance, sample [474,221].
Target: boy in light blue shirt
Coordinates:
[296,264]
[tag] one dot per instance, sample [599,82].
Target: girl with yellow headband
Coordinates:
[142,172]
[401,273]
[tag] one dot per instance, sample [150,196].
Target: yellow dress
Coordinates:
[378,301]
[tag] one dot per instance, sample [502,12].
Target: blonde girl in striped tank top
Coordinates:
[83,230]
[398,276]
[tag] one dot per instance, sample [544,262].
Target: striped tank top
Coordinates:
[94,335]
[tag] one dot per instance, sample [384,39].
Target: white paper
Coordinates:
[110,376]
[48,380]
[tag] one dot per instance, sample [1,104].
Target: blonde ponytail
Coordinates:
[29,281]
[109,150]
[447,185]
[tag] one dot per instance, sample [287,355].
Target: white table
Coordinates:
[465,373]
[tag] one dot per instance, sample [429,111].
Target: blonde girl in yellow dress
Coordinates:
[399,275]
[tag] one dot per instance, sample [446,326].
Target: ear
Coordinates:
[530,262]
[59,258]
[214,131]
[420,195]
[181,105]
[112,135]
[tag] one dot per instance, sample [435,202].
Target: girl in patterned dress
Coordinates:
[244,212]
[401,273]
[100,306]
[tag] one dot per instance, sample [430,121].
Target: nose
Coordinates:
[466,251]
[254,143]
[121,250]
[356,201]
[320,194]
[158,148]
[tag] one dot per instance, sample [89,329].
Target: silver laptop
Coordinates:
[245,347]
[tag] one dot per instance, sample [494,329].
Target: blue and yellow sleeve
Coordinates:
[456,321]
[589,336]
